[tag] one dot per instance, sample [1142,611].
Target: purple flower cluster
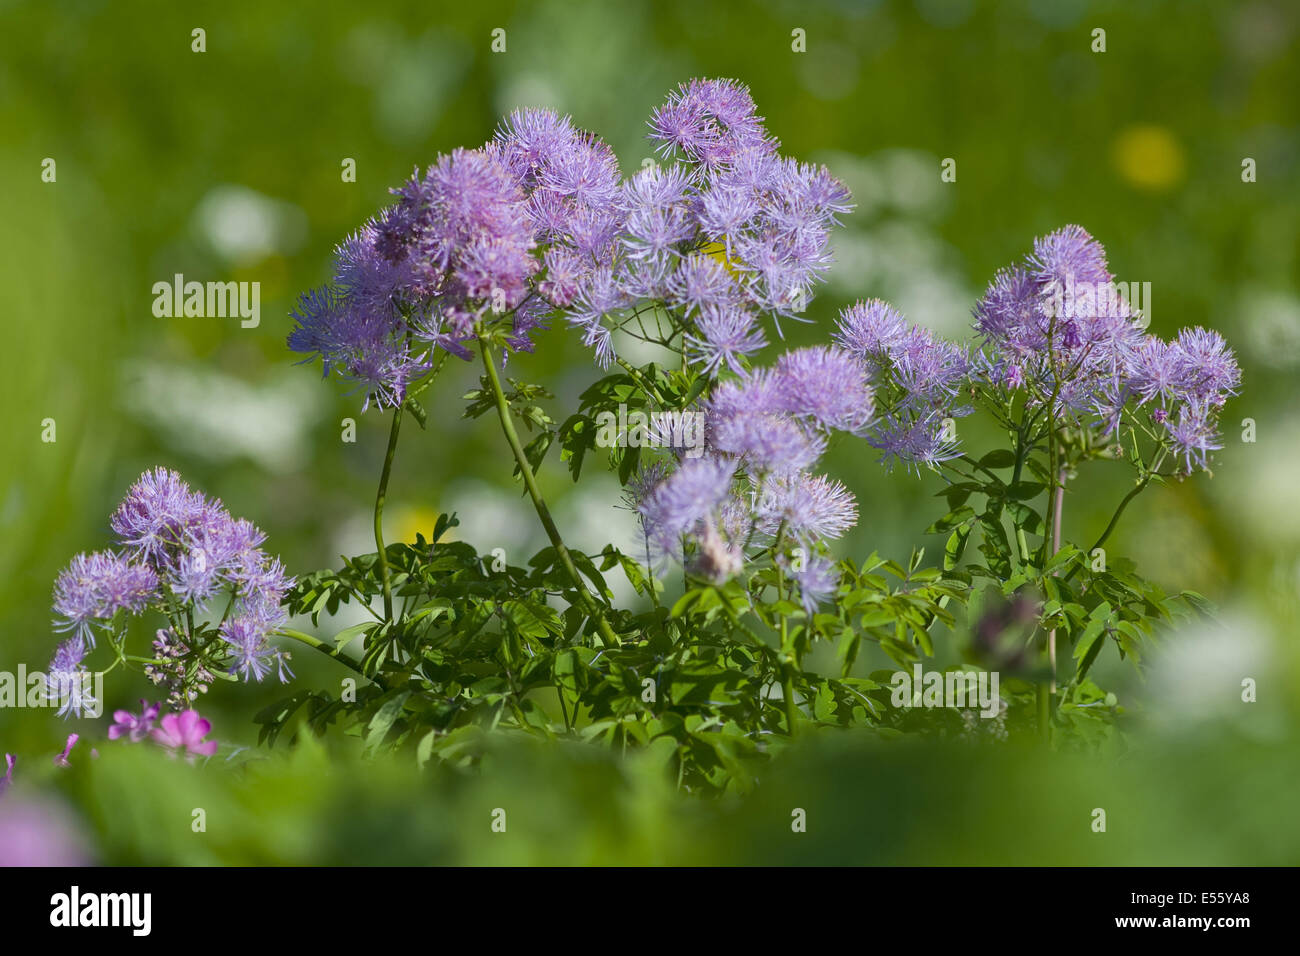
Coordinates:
[177,551]
[514,228]
[769,426]
[729,231]
[540,221]
[918,377]
[1058,327]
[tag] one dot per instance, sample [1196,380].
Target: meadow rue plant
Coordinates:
[183,557]
[736,572]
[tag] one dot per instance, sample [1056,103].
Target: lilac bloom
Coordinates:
[1208,369]
[68,682]
[726,336]
[871,329]
[96,586]
[702,282]
[817,580]
[254,657]
[826,385]
[809,507]
[681,502]
[1193,436]
[152,516]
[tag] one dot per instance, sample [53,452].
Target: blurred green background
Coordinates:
[225,165]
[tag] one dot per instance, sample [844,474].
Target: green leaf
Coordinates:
[957,518]
[999,458]
[955,547]
[1093,631]
[384,719]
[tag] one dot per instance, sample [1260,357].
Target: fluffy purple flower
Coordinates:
[68,682]
[600,296]
[710,123]
[530,141]
[929,370]
[656,215]
[1154,371]
[817,582]
[1058,316]
[357,326]
[702,282]
[726,209]
[96,586]
[734,231]
[135,728]
[1068,256]
[827,385]
[1193,436]
[679,504]
[565,271]
[189,550]
[767,442]
[810,507]
[155,512]
[726,336]
[253,655]
[1208,368]
[7,780]
[214,546]
[871,329]
[916,442]
[184,733]
[469,236]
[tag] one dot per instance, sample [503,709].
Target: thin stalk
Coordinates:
[1056,547]
[1114,519]
[1055,472]
[1119,511]
[324,648]
[380,496]
[646,386]
[607,635]
[787,668]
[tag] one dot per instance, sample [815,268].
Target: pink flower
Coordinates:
[137,728]
[8,778]
[62,759]
[185,732]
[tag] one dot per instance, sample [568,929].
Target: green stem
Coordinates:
[1119,511]
[1022,452]
[323,646]
[380,496]
[1056,547]
[607,635]
[646,386]
[787,667]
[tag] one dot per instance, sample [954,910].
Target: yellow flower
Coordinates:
[1148,157]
